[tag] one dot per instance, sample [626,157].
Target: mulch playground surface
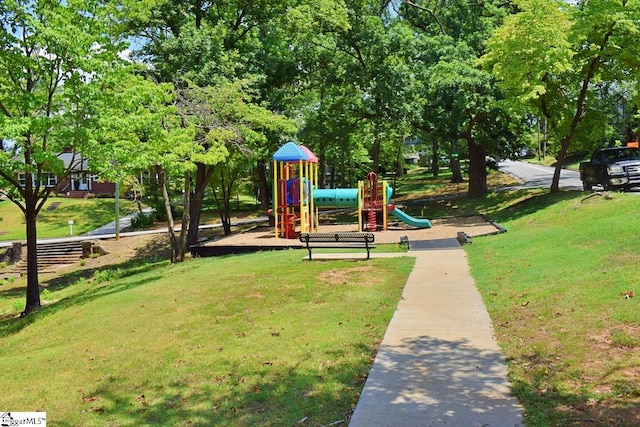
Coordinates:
[263,237]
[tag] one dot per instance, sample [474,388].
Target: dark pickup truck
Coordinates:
[613,168]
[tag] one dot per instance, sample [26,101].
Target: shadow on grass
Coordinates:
[547,405]
[284,395]
[14,292]
[454,382]
[531,205]
[555,408]
[12,324]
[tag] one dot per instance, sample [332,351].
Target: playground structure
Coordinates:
[296,198]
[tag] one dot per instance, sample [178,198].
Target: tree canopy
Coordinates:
[554,57]
[203,91]
[55,57]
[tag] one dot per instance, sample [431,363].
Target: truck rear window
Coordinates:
[623,154]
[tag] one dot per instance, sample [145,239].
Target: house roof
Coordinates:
[80,163]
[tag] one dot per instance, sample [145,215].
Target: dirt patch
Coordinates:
[343,276]
[444,228]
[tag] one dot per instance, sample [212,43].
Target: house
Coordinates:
[80,183]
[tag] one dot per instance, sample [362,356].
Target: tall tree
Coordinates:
[214,43]
[54,56]
[552,55]
[462,100]
[141,130]
[228,118]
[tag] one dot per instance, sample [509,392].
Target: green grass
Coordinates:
[86,214]
[572,163]
[213,342]
[207,342]
[555,286]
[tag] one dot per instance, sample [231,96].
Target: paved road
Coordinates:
[536,176]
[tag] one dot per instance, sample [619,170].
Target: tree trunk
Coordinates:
[33,285]
[477,170]
[322,170]
[203,176]
[580,103]
[167,205]
[562,155]
[454,164]
[186,218]
[375,153]
[263,185]
[223,202]
[435,166]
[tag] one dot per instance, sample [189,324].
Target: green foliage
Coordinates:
[18,306]
[53,43]
[56,62]
[100,276]
[567,62]
[142,221]
[536,41]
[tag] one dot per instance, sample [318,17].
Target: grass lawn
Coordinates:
[561,287]
[86,214]
[206,342]
[264,339]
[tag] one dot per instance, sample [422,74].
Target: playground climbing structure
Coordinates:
[295,176]
[373,212]
[296,198]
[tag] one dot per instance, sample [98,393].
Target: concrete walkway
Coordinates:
[438,363]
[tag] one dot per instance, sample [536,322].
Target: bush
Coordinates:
[142,221]
[18,305]
[160,211]
[107,275]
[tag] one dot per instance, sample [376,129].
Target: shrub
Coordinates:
[107,275]
[142,220]
[19,305]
